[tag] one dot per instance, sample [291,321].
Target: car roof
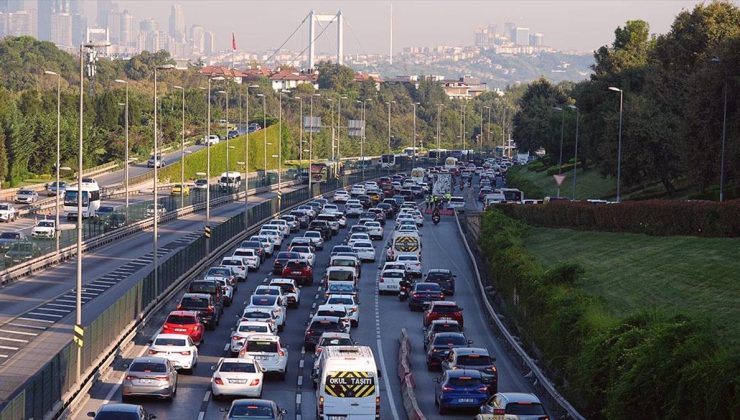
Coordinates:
[457,373]
[393,270]
[149,359]
[320,318]
[439,270]
[471,350]
[264,337]
[335,335]
[338,295]
[184,313]
[444,303]
[445,321]
[521,397]
[180,336]
[198,295]
[119,408]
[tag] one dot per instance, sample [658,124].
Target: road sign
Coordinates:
[356,128]
[79,332]
[311,124]
[559,179]
[207,231]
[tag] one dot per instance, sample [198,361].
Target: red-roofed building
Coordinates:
[361,77]
[221,71]
[291,79]
[253,74]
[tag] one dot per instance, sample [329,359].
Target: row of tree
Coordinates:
[674,88]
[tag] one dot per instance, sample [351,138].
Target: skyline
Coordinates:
[580,26]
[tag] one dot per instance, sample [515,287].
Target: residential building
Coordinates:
[197,40]
[16,24]
[104,7]
[177,26]
[537,40]
[126,33]
[291,79]
[61,30]
[464,88]
[221,71]
[209,43]
[521,36]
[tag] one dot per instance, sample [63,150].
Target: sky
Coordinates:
[259,25]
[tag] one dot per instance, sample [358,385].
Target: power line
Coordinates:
[289,38]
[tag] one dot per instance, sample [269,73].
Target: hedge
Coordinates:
[652,217]
[652,365]
[567,167]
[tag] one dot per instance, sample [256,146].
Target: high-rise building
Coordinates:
[209,43]
[197,39]
[105,7]
[536,40]
[521,36]
[79,27]
[126,33]
[178,31]
[18,23]
[61,29]
[114,24]
[76,7]
[148,25]
[9,6]
[510,30]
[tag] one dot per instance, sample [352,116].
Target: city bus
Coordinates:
[90,199]
[323,171]
[388,161]
[411,151]
[438,153]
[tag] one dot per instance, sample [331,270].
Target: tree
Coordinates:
[533,123]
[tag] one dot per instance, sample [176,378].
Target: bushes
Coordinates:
[654,217]
[651,365]
[567,167]
[516,180]
[536,166]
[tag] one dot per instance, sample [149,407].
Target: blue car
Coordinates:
[460,390]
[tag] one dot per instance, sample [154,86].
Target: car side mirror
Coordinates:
[380,374]
[150,342]
[436,380]
[91,414]
[470,341]
[213,368]
[152,416]
[222,410]
[283,411]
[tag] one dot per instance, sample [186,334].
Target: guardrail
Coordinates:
[541,381]
[410,405]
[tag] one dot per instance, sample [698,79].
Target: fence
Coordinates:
[44,393]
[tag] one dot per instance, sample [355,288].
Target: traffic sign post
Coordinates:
[559,178]
[79,333]
[207,231]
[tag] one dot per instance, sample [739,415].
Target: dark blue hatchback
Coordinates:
[460,389]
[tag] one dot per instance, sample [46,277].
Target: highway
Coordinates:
[381,319]
[35,303]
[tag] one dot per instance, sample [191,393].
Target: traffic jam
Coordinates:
[314,256]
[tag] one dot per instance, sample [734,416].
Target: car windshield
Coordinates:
[219,272]
[250,411]
[312,234]
[302,249]
[343,288]
[450,340]
[194,302]
[170,342]
[10,235]
[287,255]
[363,245]
[340,301]
[267,291]
[254,328]
[525,409]
[117,415]
[332,312]
[326,326]
[181,319]
[202,286]
[446,309]
[446,327]
[262,346]
[343,263]
[341,275]
[256,315]
[335,341]
[427,288]
[392,274]
[46,223]
[408,258]
[237,367]
[148,367]
[464,381]
[250,244]
[474,360]
[263,300]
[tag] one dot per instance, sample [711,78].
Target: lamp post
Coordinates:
[310,147]
[125,153]
[157,162]
[246,162]
[413,160]
[339,124]
[575,154]
[264,127]
[439,115]
[724,133]
[182,150]
[487,139]
[226,93]
[331,112]
[389,125]
[362,139]
[619,145]
[59,119]
[562,127]
[78,285]
[208,159]
[280,146]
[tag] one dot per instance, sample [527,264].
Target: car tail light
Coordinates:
[254,382]
[235,337]
[179,306]
[381,280]
[185,353]
[281,352]
[209,309]
[153,352]
[415,295]
[321,406]
[162,378]
[447,388]
[483,388]
[377,407]
[131,377]
[499,411]
[218,381]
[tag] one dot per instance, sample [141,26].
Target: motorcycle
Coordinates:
[403,293]
[435,218]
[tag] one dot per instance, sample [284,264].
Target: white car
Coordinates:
[371,184]
[8,212]
[276,235]
[374,230]
[212,139]
[316,238]
[308,210]
[271,302]
[407,216]
[227,289]
[456,203]
[338,311]
[359,236]
[250,256]
[390,281]
[353,210]
[407,226]
[44,229]
[357,190]
[238,266]
[350,305]
[331,209]
[237,376]
[289,289]
[305,252]
[26,196]
[246,328]
[341,196]
[364,250]
[267,244]
[178,349]
[284,225]
[259,313]
[268,351]
[413,265]
[418,217]
[269,290]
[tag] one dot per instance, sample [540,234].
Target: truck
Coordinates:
[442,185]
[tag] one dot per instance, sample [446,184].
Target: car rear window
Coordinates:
[341,288]
[181,319]
[262,346]
[256,315]
[194,302]
[219,272]
[338,314]
[254,328]
[339,301]
[325,326]
[449,340]
[446,309]
[238,367]
[524,409]
[474,360]
[464,381]
[427,288]
[148,367]
[340,275]
[203,287]
[326,342]
[263,300]
[445,328]
[170,342]
[267,291]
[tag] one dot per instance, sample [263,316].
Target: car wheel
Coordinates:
[125,398]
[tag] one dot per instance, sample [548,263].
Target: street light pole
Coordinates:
[310,148]
[182,150]
[157,162]
[339,125]
[59,118]
[575,155]
[619,146]
[413,160]
[125,153]
[439,115]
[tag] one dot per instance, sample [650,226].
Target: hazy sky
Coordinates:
[567,25]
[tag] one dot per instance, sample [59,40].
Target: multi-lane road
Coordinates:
[381,319]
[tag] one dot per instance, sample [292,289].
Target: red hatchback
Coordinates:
[443,310]
[299,270]
[185,323]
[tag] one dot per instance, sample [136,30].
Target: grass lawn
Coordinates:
[197,162]
[588,184]
[696,276]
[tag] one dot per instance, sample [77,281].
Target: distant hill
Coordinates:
[498,70]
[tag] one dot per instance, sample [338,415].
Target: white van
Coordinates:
[230,180]
[404,243]
[348,384]
[341,274]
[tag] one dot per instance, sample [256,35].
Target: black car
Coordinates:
[254,408]
[388,209]
[302,217]
[212,288]
[320,325]
[365,201]
[444,278]
[422,294]
[281,260]
[323,227]
[7,239]
[205,305]
[440,347]
[393,203]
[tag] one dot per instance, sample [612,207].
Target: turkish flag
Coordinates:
[233,41]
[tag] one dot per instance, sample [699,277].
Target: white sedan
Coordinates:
[374,230]
[271,302]
[178,349]
[242,377]
[246,328]
[350,305]
[250,256]
[305,253]
[364,250]
[291,292]
[315,237]
[268,351]
[359,236]
[341,196]
[357,190]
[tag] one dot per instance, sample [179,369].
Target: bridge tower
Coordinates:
[312,36]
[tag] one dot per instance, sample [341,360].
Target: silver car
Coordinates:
[150,376]
[26,196]
[514,406]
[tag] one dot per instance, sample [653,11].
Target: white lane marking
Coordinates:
[207,396]
[201,415]
[64,311]
[389,390]
[301,364]
[42,314]
[35,319]
[35,327]
[18,332]
[4,356]
[226,347]
[60,305]
[9,348]
[15,340]
[298,398]
[300,380]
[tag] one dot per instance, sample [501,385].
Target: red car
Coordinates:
[299,270]
[443,310]
[185,323]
